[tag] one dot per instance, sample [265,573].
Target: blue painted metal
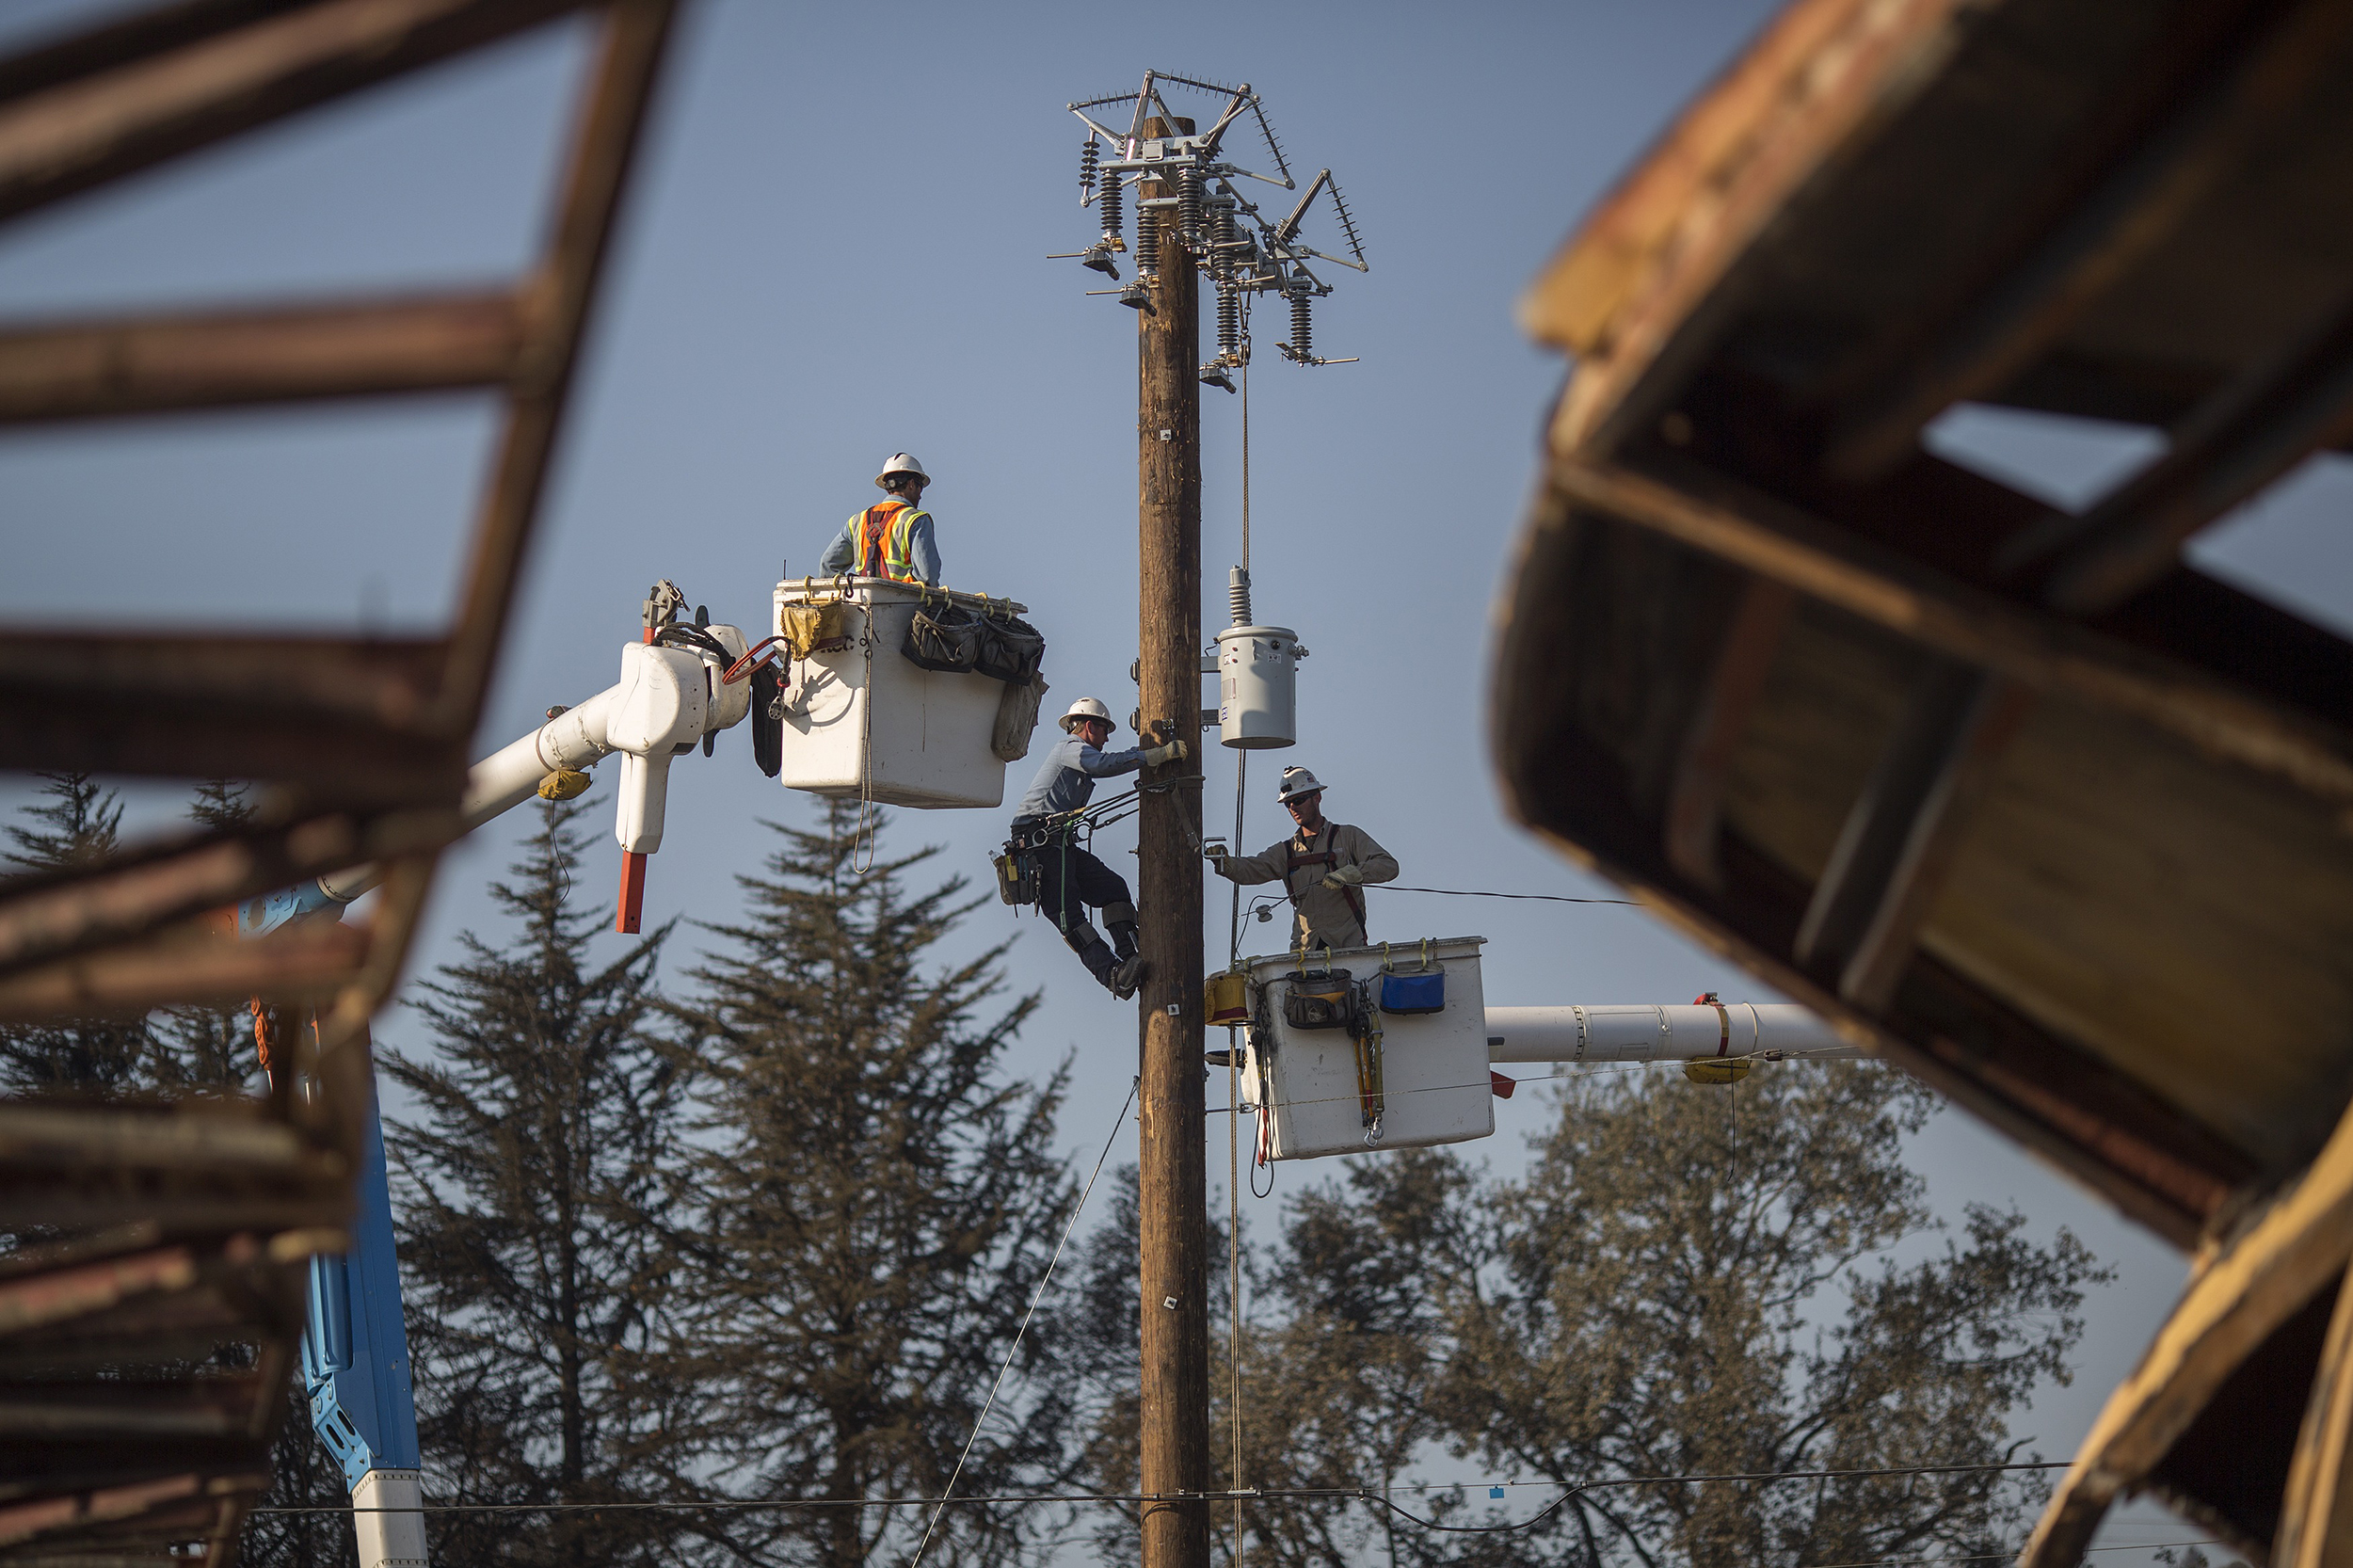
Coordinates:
[355,1349]
[258,917]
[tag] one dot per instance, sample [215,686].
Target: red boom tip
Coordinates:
[633,894]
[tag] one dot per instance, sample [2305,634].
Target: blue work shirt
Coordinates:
[1066,781]
[922,554]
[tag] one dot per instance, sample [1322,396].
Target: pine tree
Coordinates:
[211,1048]
[78,822]
[535,1191]
[881,1203]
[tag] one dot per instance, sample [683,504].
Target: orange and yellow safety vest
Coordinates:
[883,533]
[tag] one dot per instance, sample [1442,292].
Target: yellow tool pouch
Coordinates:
[809,628]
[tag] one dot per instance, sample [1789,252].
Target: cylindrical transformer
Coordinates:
[1257,686]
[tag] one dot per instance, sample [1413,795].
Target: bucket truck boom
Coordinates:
[673,690]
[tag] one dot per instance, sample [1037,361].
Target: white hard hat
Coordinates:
[1085,708]
[902,462]
[1296,782]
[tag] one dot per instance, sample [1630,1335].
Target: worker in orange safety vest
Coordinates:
[893,537]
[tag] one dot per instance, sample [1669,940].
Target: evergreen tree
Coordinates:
[77,822]
[302,1474]
[536,1188]
[210,1047]
[881,1203]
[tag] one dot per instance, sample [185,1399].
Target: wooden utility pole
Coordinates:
[1173,1176]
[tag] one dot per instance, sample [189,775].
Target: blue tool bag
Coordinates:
[1421,991]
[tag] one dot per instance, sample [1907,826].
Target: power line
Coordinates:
[1472,893]
[2004,1557]
[1244,1493]
[1768,1476]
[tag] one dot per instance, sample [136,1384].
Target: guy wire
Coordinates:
[948,1493]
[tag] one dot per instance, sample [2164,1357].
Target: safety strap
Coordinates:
[874,534]
[1294,861]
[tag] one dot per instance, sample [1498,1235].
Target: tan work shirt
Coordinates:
[1328,916]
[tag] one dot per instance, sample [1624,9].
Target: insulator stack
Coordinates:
[1238,596]
[1220,241]
[1111,200]
[1147,239]
[1301,326]
[1228,319]
[1088,152]
[1188,206]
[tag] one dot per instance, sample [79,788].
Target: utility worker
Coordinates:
[1070,879]
[1323,868]
[893,537]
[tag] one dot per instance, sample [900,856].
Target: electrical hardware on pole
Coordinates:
[1243,250]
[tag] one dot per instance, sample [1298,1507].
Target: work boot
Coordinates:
[1101,963]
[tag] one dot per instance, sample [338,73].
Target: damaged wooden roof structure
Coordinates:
[2015,794]
[152,1300]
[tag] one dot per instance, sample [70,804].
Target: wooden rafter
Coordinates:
[188,1225]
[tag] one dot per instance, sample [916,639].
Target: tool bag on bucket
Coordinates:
[1011,650]
[944,637]
[1321,1000]
[1416,990]
[810,629]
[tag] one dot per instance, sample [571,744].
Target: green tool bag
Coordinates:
[1325,1000]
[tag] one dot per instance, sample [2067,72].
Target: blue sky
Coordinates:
[835,248]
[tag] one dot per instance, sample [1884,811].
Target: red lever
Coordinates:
[633,893]
[1500,1086]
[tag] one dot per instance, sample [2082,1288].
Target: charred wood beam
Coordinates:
[121,1505]
[1695,795]
[1897,843]
[178,965]
[2316,1513]
[57,914]
[2038,649]
[602,150]
[353,716]
[2158,1164]
[2236,1301]
[2229,448]
[122,98]
[2136,207]
[85,370]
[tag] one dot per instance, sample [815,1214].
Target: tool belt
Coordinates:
[1019,864]
[1016,876]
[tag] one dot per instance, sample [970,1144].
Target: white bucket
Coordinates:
[1433,1079]
[866,721]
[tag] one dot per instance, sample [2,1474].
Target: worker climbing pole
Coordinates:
[1189,220]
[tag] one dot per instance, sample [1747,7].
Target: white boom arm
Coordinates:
[667,700]
[1648,1033]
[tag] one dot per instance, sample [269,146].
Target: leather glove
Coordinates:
[1215,854]
[1157,755]
[1345,876]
